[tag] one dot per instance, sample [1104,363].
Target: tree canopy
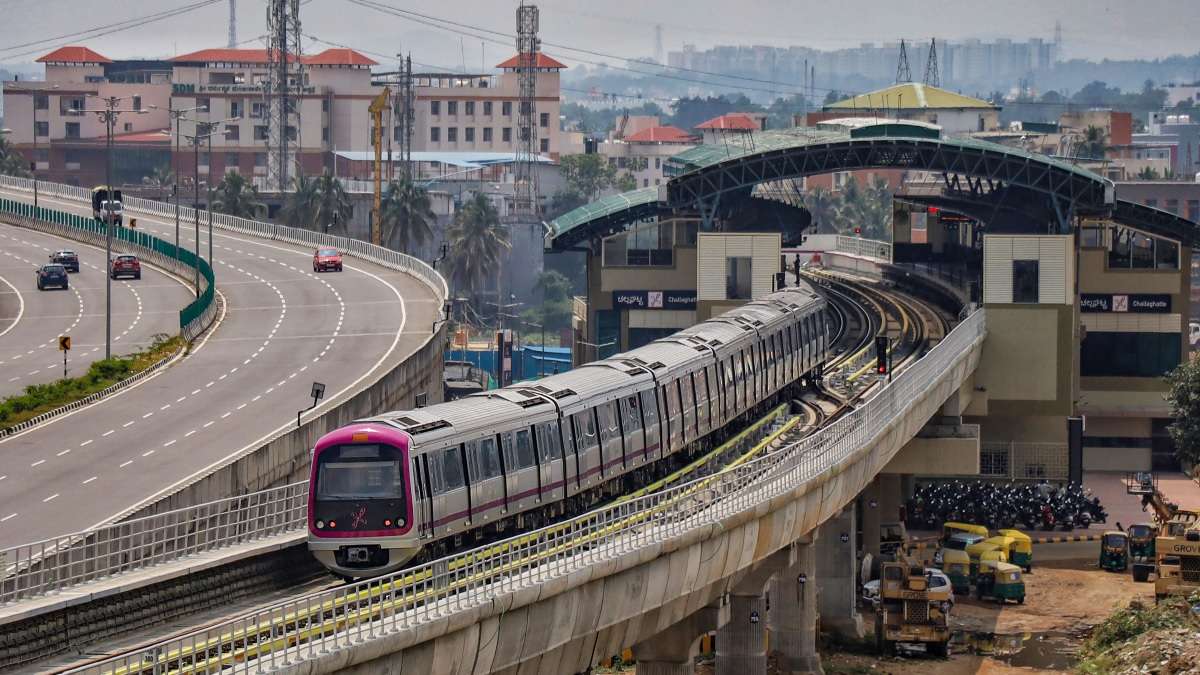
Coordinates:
[236,196]
[1184,397]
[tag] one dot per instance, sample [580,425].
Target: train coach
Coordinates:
[388,488]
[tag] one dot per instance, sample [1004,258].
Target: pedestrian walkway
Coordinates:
[1179,489]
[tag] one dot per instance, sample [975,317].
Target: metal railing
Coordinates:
[57,564]
[305,628]
[867,248]
[361,249]
[1018,460]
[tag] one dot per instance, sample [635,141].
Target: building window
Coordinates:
[41,128]
[204,103]
[260,159]
[72,129]
[506,134]
[41,102]
[644,245]
[645,182]
[258,110]
[72,157]
[137,102]
[487,108]
[398,134]
[469,107]
[1152,203]
[324,105]
[233,132]
[737,278]
[658,162]
[487,134]
[435,107]
[452,107]
[435,134]
[506,108]
[1025,281]
[543,120]
[545,144]
[451,134]
[1173,206]
[290,132]
[469,134]
[231,161]
[128,127]
[260,132]
[1105,354]
[70,104]
[1193,210]
[235,108]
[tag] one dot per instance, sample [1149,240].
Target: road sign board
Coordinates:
[64,343]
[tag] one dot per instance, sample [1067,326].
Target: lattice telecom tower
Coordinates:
[932,78]
[903,72]
[284,73]
[232,24]
[525,177]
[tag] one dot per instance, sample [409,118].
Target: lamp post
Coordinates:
[178,116]
[204,131]
[597,346]
[108,115]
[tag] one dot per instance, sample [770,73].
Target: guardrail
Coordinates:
[59,563]
[867,248]
[193,318]
[303,629]
[361,249]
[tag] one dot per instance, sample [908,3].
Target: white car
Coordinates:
[937,579]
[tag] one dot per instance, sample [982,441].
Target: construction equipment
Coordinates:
[1145,484]
[378,105]
[1177,556]
[909,611]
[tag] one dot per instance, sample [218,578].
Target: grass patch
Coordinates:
[1129,625]
[41,398]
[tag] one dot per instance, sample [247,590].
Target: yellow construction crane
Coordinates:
[376,109]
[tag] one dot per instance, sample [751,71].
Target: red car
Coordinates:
[125,265]
[326,259]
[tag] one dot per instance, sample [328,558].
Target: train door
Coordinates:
[520,469]
[551,462]
[687,407]
[712,378]
[670,394]
[487,487]
[805,345]
[588,445]
[573,480]
[633,430]
[610,438]
[448,479]
[700,391]
[652,422]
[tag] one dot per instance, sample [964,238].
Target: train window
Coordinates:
[650,407]
[547,442]
[487,458]
[525,456]
[452,470]
[585,429]
[633,416]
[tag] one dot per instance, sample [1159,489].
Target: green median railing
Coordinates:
[193,318]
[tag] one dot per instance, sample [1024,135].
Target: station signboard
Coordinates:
[685,300]
[1133,303]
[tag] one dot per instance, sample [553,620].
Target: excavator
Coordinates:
[909,611]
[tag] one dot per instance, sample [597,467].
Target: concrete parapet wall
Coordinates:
[574,621]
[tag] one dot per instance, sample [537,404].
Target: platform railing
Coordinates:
[60,563]
[305,628]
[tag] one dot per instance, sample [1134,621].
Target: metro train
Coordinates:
[388,488]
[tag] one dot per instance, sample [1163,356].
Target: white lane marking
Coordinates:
[125,464]
[208,424]
[169,443]
[195,391]
[50,498]
[128,424]
[64,452]
[165,406]
[20,308]
[241,406]
[222,417]
[88,480]
[189,433]
[38,463]
[87,442]
[108,433]
[8,517]
[147,414]
[148,453]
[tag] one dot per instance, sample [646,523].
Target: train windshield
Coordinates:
[360,472]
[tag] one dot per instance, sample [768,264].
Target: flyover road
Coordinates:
[31,320]
[282,328]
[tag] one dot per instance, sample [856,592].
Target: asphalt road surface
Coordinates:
[31,320]
[283,328]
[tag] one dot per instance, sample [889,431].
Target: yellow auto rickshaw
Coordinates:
[950,528]
[1021,554]
[999,581]
[957,566]
[976,552]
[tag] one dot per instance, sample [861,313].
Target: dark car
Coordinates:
[52,276]
[68,259]
[326,259]
[125,265]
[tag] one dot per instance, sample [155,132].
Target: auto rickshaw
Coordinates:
[1114,551]
[999,581]
[950,528]
[1141,541]
[976,552]
[1021,554]
[957,566]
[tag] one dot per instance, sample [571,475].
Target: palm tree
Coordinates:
[407,215]
[160,180]
[11,161]
[236,196]
[477,241]
[820,204]
[1093,145]
[300,207]
[334,209]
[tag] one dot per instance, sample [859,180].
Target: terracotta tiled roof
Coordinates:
[735,121]
[74,55]
[543,61]
[329,57]
[660,135]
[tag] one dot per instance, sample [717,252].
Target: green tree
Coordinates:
[555,311]
[1184,397]
[823,208]
[236,196]
[300,205]
[1147,173]
[161,180]
[334,209]
[587,175]
[407,218]
[12,163]
[477,241]
[1093,145]
[625,182]
[562,202]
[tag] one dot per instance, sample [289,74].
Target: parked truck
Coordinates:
[1177,556]
[104,204]
[910,610]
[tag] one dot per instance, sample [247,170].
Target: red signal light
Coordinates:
[933,210]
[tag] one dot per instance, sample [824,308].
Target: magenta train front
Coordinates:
[359,501]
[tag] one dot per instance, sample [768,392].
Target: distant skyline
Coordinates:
[1092,29]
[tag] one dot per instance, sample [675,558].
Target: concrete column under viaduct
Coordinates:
[793,614]
[837,567]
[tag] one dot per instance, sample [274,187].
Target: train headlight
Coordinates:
[400,522]
[320,524]
[387,522]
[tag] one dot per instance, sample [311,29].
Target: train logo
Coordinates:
[358,518]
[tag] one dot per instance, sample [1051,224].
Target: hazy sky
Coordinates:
[1093,29]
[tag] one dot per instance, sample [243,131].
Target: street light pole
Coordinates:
[204,130]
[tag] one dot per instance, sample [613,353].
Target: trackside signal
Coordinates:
[881,355]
